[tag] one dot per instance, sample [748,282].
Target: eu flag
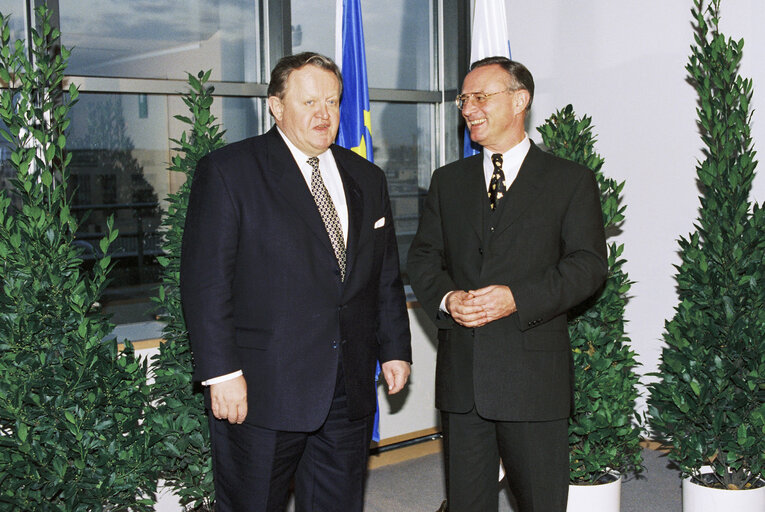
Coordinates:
[355,131]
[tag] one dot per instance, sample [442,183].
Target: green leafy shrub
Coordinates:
[179,415]
[709,403]
[70,405]
[602,435]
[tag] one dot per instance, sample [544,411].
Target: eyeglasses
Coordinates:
[478,97]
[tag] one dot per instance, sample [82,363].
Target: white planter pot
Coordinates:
[600,498]
[697,498]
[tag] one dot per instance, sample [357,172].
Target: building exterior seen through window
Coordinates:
[163,38]
[130,61]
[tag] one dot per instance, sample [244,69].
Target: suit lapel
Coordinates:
[291,184]
[355,204]
[472,185]
[524,190]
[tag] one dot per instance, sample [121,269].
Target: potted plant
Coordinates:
[709,400]
[71,406]
[178,414]
[604,439]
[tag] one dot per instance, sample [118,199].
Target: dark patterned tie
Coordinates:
[328,214]
[497,183]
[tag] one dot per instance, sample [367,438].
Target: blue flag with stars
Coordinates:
[355,132]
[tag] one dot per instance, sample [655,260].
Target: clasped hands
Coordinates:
[476,308]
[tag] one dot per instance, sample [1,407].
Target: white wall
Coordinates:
[413,409]
[623,63]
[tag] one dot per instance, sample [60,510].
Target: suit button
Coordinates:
[334,344]
[472,332]
[491,229]
[480,251]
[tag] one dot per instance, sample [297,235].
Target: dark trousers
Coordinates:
[253,466]
[534,454]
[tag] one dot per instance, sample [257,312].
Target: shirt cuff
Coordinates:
[442,307]
[222,378]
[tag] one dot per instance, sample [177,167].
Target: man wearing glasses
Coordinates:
[509,241]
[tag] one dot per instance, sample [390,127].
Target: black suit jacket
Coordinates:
[546,243]
[261,287]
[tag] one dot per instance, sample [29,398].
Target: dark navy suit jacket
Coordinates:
[261,287]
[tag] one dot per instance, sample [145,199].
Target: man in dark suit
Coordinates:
[509,241]
[291,293]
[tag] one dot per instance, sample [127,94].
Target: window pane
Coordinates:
[401,140]
[398,36]
[313,26]
[7,172]
[161,39]
[120,152]
[15,10]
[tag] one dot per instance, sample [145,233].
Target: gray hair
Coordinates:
[520,76]
[286,65]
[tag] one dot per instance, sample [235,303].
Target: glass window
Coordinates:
[398,35]
[14,9]
[313,26]
[119,141]
[150,39]
[7,171]
[5,151]
[402,143]
[120,152]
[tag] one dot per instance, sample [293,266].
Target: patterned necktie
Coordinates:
[497,183]
[328,214]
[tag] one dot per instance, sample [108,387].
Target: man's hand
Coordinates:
[495,301]
[462,311]
[396,374]
[229,399]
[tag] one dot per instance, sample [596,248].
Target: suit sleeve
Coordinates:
[583,265]
[208,257]
[426,261]
[393,332]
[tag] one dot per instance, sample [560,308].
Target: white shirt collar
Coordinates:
[329,173]
[512,159]
[301,158]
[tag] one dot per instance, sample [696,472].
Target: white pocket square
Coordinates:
[380,222]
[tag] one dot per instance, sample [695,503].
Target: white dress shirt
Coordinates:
[512,159]
[331,176]
[334,183]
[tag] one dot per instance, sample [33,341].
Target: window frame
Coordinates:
[450,22]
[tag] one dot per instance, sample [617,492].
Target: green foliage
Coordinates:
[602,435]
[70,404]
[709,403]
[184,452]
